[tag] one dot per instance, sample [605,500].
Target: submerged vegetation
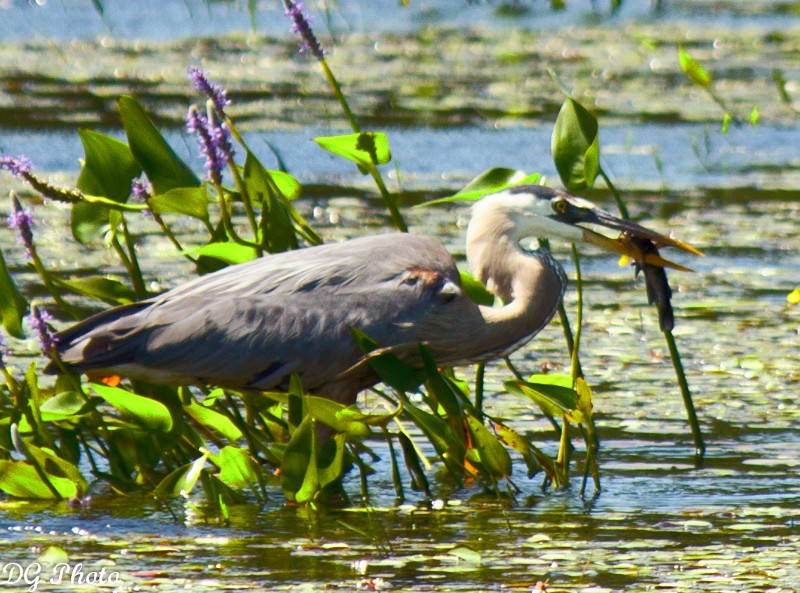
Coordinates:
[172,441]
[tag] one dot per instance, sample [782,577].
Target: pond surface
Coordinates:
[659,523]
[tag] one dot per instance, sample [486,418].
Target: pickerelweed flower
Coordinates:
[22,221]
[17,166]
[214,140]
[214,91]
[37,320]
[141,191]
[21,167]
[301,24]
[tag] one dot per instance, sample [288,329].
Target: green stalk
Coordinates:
[397,218]
[138,280]
[138,288]
[48,283]
[575,369]
[688,402]
[480,372]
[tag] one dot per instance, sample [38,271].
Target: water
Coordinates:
[156,20]
[659,523]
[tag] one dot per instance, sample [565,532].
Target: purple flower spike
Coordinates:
[215,143]
[212,90]
[141,191]
[22,221]
[301,24]
[17,166]
[38,319]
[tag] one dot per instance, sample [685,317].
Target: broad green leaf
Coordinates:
[163,167]
[489,182]
[555,400]
[366,149]
[58,468]
[181,481]
[276,224]
[12,304]
[20,479]
[109,167]
[493,455]
[63,405]
[439,388]
[237,468]
[339,417]
[693,69]
[413,461]
[476,290]
[213,420]
[287,185]
[108,170]
[576,146]
[517,442]
[101,288]
[394,372]
[227,251]
[191,201]
[437,432]
[148,412]
[299,476]
[330,461]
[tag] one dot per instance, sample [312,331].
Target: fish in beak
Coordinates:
[634,241]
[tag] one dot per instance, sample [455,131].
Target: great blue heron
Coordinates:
[251,326]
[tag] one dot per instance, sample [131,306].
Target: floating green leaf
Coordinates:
[576,146]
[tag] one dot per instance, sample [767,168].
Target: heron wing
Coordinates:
[254,324]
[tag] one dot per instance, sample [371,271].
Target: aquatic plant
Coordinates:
[173,440]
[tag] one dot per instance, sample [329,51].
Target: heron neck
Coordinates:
[530,284]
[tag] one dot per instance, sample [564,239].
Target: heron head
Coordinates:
[543,212]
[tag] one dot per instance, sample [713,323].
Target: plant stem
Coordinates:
[397,218]
[697,435]
[480,372]
[576,370]
[138,279]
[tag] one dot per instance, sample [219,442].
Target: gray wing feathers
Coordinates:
[254,324]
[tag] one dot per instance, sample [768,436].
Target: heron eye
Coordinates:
[560,206]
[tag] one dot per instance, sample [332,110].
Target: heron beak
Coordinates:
[632,240]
